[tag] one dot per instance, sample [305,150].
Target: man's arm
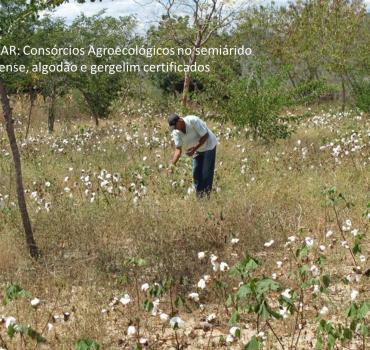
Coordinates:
[176,156]
[202,140]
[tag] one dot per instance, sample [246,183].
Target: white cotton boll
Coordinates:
[269,243]
[9,321]
[329,233]
[164,317]
[279,264]
[145,287]
[194,296]
[229,338]
[177,322]
[354,294]
[213,258]
[233,331]
[215,266]
[292,238]
[286,293]
[131,331]
[202,283]
[201,255]
[274,276]
[316,289]
[322,248]
[234,240]
[35,302]
[224,266]
[211,317]
[207,278]
[324,311]
[125,299]
[309,241]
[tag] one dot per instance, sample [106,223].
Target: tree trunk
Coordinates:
[187,78]
[185,90]
[51,114]
[32,101]
[7,112]
[343,94]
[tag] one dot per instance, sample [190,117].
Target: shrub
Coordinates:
[362,96]
[256,101]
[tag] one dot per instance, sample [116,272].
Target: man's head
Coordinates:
[174,121]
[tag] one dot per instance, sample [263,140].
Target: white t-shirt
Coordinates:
[195,129]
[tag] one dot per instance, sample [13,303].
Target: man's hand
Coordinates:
[170,169]
[191,151]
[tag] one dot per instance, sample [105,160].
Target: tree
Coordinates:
[14,14]
[99,89]
[207,17]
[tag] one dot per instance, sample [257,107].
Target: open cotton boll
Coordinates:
[177,322]
[131,331]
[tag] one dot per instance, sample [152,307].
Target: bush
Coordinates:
[257,102]
[310,91]
[362,96]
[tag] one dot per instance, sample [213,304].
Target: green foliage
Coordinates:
[256,101]
[362,96]
[13,292]
[87,344]
[254,344]
[308,91]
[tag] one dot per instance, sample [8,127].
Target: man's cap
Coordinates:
[172,119]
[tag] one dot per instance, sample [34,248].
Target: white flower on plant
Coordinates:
[194,296]
[125,299]
[164,317]
[201,255]
[233,331]
[224,266]
[269,243]
[9,321]
[354,294]
[234,241]
[35,302]
[286,293]
[202,283]
[309,241]
[177,322]
[131,331]
[324,311]
[145,287]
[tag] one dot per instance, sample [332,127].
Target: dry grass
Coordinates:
[85,245]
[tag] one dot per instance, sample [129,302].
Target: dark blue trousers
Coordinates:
[203,171]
